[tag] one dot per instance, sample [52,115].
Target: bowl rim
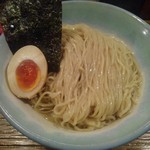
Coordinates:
[112,6]
[43,141]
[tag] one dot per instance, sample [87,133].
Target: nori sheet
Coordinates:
[34,22]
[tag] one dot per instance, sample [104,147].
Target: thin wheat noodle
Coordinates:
[99,81]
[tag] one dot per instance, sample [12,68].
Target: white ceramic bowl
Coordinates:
[113,20]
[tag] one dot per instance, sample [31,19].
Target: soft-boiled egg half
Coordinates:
[27,71]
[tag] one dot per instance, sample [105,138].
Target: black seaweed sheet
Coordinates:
[36,22]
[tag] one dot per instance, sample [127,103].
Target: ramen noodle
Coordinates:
[99,81]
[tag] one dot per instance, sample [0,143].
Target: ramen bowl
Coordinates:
[128,27]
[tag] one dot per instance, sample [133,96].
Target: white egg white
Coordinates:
[27,52]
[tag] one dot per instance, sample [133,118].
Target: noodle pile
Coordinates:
[99,81]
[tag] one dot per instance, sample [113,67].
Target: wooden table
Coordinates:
[11,139]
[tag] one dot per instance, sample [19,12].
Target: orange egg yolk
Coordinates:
[27,75]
